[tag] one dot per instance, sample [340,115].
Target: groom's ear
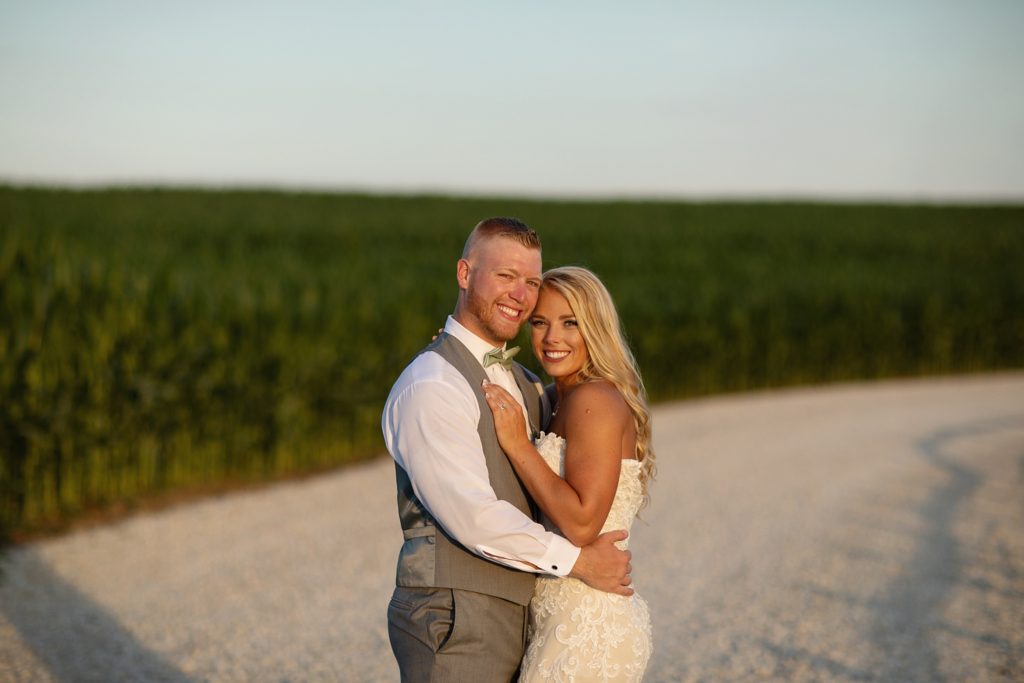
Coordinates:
[462,273]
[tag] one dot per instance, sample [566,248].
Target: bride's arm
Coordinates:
[594,419]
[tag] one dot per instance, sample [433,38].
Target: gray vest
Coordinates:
[430,558]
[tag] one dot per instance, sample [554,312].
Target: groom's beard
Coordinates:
[490,319]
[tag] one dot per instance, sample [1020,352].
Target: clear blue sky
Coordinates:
[909,99]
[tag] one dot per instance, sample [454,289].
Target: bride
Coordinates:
[589,474]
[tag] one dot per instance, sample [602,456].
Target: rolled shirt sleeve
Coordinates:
[430,427]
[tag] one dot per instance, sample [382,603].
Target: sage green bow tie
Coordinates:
[498,356]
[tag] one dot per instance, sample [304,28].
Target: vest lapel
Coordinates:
[531,391]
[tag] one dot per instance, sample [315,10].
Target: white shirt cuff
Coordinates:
[560,558]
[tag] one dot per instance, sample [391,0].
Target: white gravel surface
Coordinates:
[870,532]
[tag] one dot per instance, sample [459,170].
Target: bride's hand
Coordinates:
[508,417]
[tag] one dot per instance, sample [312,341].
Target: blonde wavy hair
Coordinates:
[610,358]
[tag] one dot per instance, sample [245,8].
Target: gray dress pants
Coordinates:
[444,635]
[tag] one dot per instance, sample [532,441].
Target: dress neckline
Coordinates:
[542,435]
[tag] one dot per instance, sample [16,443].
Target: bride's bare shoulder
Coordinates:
[597,399]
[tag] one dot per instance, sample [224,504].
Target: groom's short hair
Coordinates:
[512,228]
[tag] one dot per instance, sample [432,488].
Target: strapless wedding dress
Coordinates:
[577,633]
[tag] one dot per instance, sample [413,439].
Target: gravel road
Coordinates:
[869,532]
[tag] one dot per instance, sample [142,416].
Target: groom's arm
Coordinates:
[430,427]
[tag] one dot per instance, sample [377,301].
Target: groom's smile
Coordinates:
[511,313]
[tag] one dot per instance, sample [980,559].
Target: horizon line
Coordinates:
[522,194]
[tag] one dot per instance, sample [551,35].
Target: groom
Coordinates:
[472,545]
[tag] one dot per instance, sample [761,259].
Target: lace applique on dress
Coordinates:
[577,633]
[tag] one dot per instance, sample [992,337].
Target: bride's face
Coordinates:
[555,336]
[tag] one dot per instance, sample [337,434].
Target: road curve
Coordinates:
[866,532]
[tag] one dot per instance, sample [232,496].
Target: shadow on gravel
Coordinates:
[72,636]
[791,659]
[909,613]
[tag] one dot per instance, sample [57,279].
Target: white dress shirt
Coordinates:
[430,428]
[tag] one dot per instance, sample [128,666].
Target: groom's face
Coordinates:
[500,280]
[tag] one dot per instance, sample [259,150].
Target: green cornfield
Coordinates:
[156,340]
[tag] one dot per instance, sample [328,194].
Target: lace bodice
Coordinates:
[629,494]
